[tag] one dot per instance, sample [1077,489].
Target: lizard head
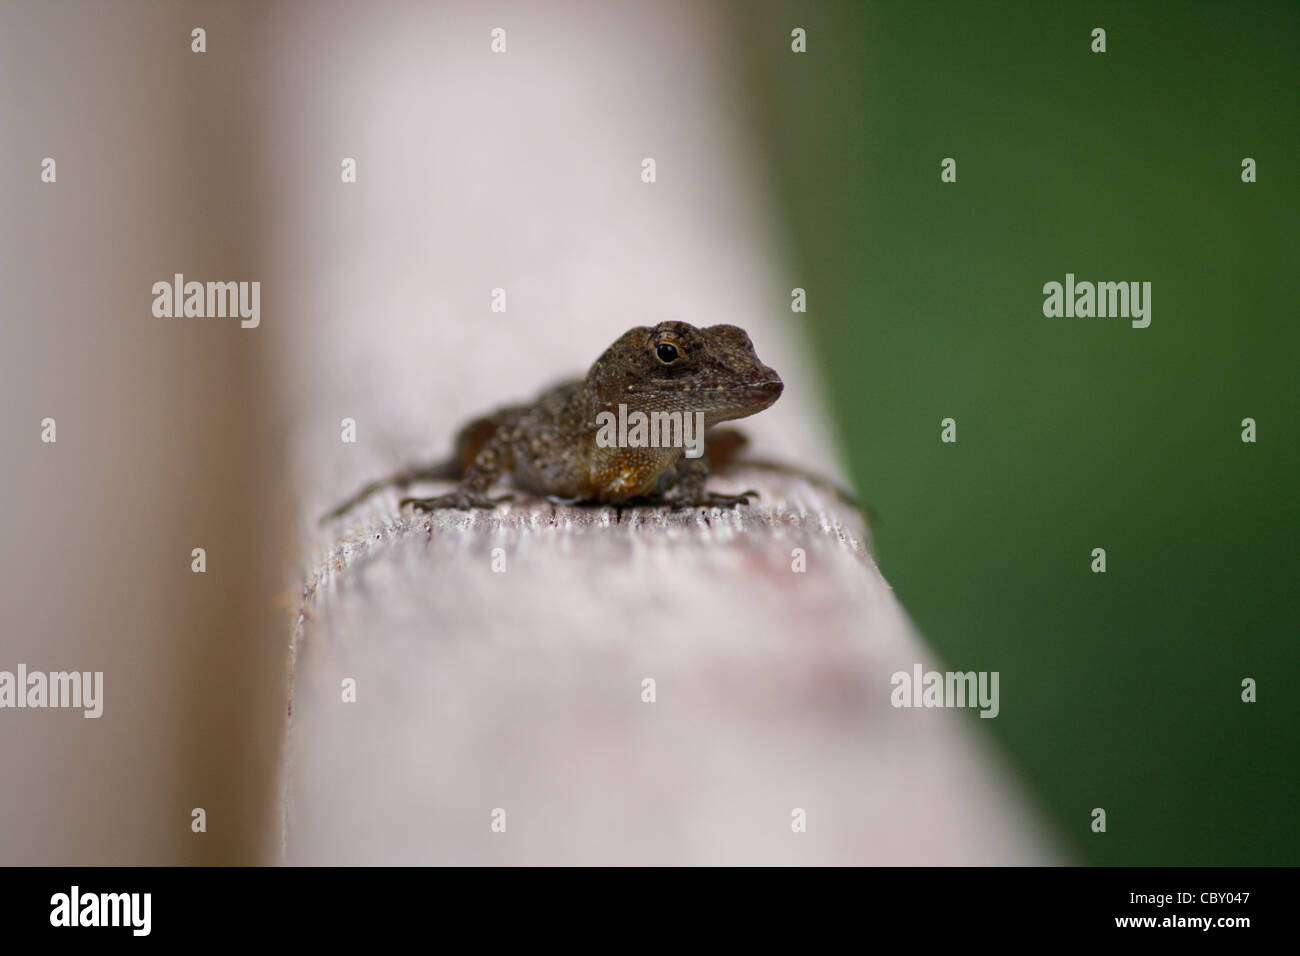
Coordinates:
[674,366]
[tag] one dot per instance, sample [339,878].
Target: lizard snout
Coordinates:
[764,392]
[771,388]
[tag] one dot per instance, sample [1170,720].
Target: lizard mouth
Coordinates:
[768,391]
[751,397]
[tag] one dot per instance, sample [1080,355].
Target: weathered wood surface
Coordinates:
[522,689]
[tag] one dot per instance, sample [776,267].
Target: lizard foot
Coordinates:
[706,499]
[460,500]
[714,500]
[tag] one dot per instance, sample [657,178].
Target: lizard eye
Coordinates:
[666,353]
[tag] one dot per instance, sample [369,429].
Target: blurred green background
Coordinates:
[1119,690]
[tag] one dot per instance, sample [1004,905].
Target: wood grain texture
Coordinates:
[523,690]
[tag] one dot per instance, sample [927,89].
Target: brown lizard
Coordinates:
[555,446]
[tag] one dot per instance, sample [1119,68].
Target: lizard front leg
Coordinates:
[692,491]
[495,459]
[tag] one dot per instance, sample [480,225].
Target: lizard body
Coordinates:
[551,447]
